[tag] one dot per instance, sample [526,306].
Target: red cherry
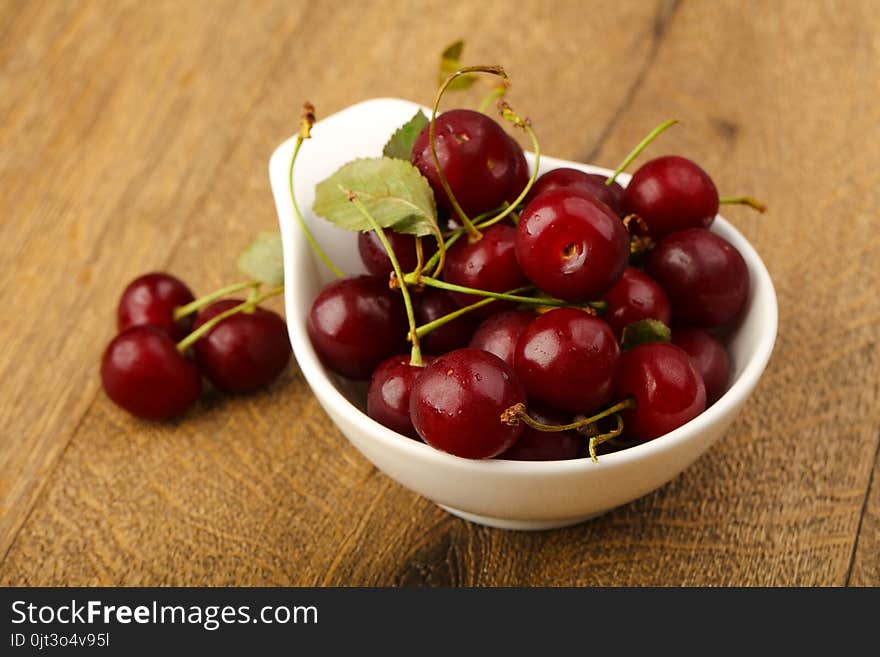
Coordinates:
[432,304]
[671,193]
[566,358]
[534,445]
[666,386]
[476,157]
[457,401]
[571,245]
[376,259]
[355,323]
[499,333]
[150,300]
[489,264]
[521,172]
[143,372]
[704,276]
[709,357]
[389,393]
[591,183]
[634,297]
[245,351]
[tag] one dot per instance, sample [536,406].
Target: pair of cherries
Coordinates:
[144,370]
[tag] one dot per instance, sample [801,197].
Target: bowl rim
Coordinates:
[327,393]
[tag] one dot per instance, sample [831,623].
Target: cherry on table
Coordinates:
[488,264]
[571,245]
[376,259]
[476,157]
[499,333]
[432,304]
[704,276]
[457,401]
[389,393]
[355,323]
[534,445]
[244,352]
[671,193]
[634,297]
[592,183]
[143,372]
[667,388]
[150,300]
[566,358]
[709,357]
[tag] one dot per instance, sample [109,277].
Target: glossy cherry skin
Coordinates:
[376,259]
[355,323]
[488,264]
[571,245]
[457,401]
[151,299]
[521,173]
[668,389]
[592,183]
[636,296]
[432,304]
[671,193]
[534,445]
[389,392]
[709,357]
[499,333]
[704,276]
[566,358]
[244,352]
[143,372]
[476,157]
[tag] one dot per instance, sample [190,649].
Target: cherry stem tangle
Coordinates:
[424,329]
[634,153]
[208,299]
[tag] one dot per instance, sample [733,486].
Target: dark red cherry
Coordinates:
[592,183]
[245,351]
[704,276]
[571,245]
[666,386]
[151,299]
[476,157]
[521,173]
[488,264]
[634,297]
[534,445]
[143,372]
[499,333]
[671,193]
[566,358]
[457,401]
[376,259]
[355,323]
[432,304]
[709,357]
[389,392]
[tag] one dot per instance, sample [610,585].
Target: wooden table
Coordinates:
[135,136]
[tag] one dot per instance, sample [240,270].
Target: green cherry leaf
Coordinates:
[401,142]
[393,191]
[263,259]
[450,62]
[643,331]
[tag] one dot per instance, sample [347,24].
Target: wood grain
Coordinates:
[136,136]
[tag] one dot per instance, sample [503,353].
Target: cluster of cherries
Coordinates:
[168,340]
[542,370]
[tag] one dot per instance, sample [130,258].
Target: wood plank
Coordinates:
[865,568]
[261,489]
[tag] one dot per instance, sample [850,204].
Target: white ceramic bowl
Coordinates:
[507,494]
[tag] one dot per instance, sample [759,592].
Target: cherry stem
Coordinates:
[744,200]
[595,441]
[415,358]
[473,233]
[497,92]
[208,299]
[634,153]
[452,239]
[537,301]
[250,304]
[517,413]
[308,119]
[424,329]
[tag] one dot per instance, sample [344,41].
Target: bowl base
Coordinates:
[519,525]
